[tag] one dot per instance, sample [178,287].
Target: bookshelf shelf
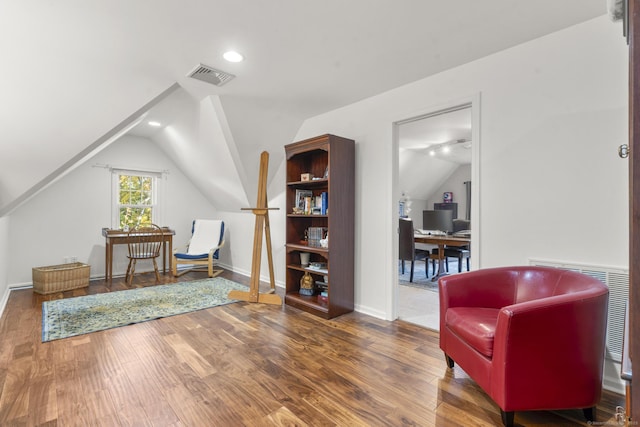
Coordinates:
[332,158]
[312,183]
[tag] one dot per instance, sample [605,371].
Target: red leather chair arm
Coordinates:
[553,340]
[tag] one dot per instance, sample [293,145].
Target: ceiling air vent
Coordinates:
[210,75]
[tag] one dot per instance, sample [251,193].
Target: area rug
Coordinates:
[81,315]
[420,278]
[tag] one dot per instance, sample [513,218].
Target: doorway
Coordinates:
[436,162]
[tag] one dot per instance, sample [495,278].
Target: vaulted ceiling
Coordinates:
[75,75]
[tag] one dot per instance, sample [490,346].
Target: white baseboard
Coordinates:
[369,311]
[246,273]
[5,299]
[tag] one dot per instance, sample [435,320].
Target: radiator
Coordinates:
[618,282]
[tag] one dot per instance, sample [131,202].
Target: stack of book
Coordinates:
[323,297]
[308,204]
[315,234]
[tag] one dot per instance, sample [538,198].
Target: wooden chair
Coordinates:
[203,249]
[144,242]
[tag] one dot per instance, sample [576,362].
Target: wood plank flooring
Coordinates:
[240,365]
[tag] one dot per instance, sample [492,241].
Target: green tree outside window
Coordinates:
[135,197]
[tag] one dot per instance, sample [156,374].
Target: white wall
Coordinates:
[66,218]
[4,261]
[454,183]
[420,175]
[241,229]
[553,112]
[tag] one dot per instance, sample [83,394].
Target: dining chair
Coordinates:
[407,250]
[460,252]
[145,243]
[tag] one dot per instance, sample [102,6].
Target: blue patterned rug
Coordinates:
[81,315]
[422,277]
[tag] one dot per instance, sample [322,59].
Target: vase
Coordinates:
[304,258]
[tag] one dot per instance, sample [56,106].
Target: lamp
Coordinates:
[445,147]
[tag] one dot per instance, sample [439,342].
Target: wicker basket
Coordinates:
[58,278]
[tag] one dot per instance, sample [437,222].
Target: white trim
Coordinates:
[141,172]
[473,101]
[5,300]
[157,190]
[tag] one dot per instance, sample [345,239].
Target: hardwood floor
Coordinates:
[240,364]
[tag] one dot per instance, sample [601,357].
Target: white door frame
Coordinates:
[474,102]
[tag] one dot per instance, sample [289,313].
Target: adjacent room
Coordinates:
[435,163]
[201,208]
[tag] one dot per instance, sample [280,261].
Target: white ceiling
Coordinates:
[73,71]
[430,135]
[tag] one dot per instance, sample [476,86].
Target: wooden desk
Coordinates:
[119,237]
[441,241]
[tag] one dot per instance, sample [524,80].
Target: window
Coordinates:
[135,198]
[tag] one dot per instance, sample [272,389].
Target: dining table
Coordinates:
[442,240]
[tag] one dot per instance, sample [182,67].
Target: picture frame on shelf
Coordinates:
[300,196]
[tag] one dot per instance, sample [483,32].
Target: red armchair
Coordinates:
[533,338]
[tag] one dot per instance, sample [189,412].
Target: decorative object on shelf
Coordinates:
[304,258]
[405,205]
[301,195]
[306,284]
[447,197]
[320,267]
[261,212]
[324,243]
[307,205]
[306,177]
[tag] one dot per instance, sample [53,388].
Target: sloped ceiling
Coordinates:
[421,173]
[73,71]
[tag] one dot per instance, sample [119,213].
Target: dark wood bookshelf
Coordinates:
[331,159]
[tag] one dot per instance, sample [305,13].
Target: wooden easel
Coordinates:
[261,211]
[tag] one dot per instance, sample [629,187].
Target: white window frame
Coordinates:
[156,185]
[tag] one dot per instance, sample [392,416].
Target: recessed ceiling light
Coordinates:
[233,56]
[155,124]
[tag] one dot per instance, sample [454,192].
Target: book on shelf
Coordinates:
[321,285]
[324,202]
[315,234]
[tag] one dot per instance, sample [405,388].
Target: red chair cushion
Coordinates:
[474,325]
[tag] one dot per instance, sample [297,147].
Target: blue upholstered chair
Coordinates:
[207,237]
